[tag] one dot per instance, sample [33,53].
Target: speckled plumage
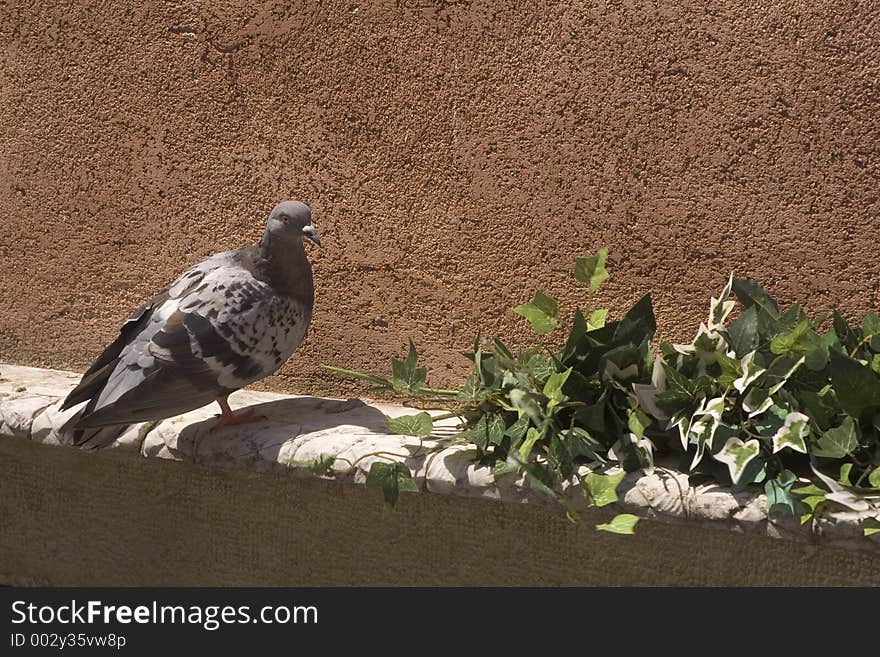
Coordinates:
[230,320]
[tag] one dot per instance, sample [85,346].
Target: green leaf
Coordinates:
[820,406]
[731,370]
[391,478]
[592,270]
[871,331]
[792,433]
[406,375]
[602,489]
[541,311]
[874,478]
[553,387]
[532,436]
[751,294]
[638,421]
[574,344]
[678,387]
[479,433]
[870,526]
[517,431]
[856,386]
[541,367]
[751,371]
[319,466]
[811,489]
[496,429]
[838,442]
[801,340]
[743,332]
[418,425]
[737,455]
[844,333]
[471,389]
[621,524]
[638,323]
[597,319]
[845,469]
[779,491]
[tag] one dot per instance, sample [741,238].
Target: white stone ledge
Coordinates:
[298,429]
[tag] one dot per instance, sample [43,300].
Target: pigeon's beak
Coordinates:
[312,234]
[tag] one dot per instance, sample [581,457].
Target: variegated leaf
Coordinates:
[792,433]
[737,455]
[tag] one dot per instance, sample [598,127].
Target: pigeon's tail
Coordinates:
[88,438]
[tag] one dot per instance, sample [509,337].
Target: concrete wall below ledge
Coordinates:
[114,518]
[176,504]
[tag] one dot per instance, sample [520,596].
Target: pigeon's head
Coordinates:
[291,220]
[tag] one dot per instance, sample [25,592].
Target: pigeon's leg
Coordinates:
[229,418]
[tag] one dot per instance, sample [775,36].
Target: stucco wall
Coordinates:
[456,154]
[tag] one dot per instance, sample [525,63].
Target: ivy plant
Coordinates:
[766,399]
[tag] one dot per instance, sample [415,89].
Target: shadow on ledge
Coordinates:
[263,440]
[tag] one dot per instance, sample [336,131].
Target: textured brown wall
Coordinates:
[456,154]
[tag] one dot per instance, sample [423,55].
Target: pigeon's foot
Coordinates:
[230,419]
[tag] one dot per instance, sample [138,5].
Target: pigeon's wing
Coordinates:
[185,355]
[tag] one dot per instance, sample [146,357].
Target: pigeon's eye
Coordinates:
[284,218]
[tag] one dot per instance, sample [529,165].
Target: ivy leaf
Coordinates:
[874,478]
[820,406]
[553,388]
[838,442]
[778,491]
[638,421]
[597,319]
[319,466]
[750,294]
[406,375]
[532,436]
[418,425]
[792,433]
[870,526]
[743,332]
[856,386]
[844,333]
[542,312]
[470,391]
[495,430]
[541,367]
[810,496]
[871,331]
[391,478]
[602,489]
[737,455]
[621,524]
[592,270]
[679,390]
[517,431]
[575,345]
[731,370]
[757,401]
[638,324]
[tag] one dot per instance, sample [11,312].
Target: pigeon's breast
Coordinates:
[261,326]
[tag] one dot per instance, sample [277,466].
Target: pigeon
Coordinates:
[232,319]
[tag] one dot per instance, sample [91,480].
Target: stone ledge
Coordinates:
[298,429]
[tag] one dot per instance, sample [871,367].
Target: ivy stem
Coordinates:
[865,340]
[439,391]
